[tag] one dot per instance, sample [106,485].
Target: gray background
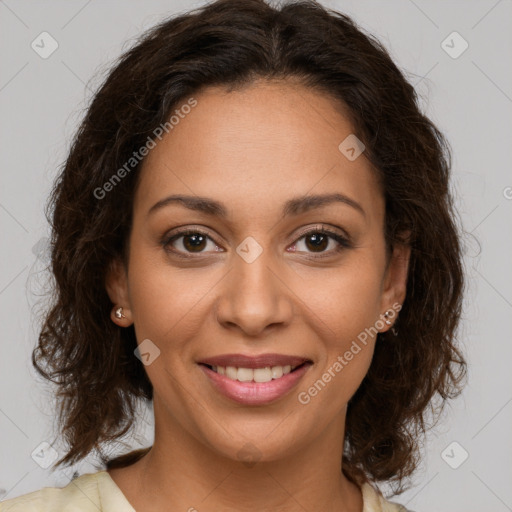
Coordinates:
[470,99]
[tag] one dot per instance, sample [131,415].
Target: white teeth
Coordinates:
[265,374]
[262,374]
[277,371]
[231,372]
[244,374]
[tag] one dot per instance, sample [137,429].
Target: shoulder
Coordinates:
[82,494]
[375,502]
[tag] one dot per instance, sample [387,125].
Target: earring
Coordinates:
[387,321]
[119,313]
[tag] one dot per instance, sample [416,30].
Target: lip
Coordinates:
[258,361]
[256,393]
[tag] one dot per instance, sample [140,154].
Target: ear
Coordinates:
[116,285]
[395,281]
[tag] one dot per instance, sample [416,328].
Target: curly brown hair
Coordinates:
[232,43]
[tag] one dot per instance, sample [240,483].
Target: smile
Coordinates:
[265,374]
[255,386]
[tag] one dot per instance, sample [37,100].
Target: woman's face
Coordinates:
[249,279]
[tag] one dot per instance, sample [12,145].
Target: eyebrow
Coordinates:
[291,207]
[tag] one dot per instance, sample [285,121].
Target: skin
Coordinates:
[253,149]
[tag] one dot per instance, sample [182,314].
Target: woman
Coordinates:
[254,231]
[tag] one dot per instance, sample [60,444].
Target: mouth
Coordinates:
[263,374]
[258,380]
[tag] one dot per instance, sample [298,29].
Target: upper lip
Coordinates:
[258,361]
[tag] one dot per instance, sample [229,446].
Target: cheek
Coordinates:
[344,319]
[162,297]
[342,310]
[345,299]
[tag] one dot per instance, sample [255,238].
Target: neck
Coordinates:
[182,473]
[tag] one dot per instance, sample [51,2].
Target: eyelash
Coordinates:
[344,242]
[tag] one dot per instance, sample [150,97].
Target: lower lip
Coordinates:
[255,393]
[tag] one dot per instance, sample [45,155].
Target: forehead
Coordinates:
[255,147]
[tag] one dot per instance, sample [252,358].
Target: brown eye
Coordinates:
[194,243]
[317,241]
[322,241]
[189,242]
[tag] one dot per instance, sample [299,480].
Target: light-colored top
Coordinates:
[93,492]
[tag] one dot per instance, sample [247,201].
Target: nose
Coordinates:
[254,297]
